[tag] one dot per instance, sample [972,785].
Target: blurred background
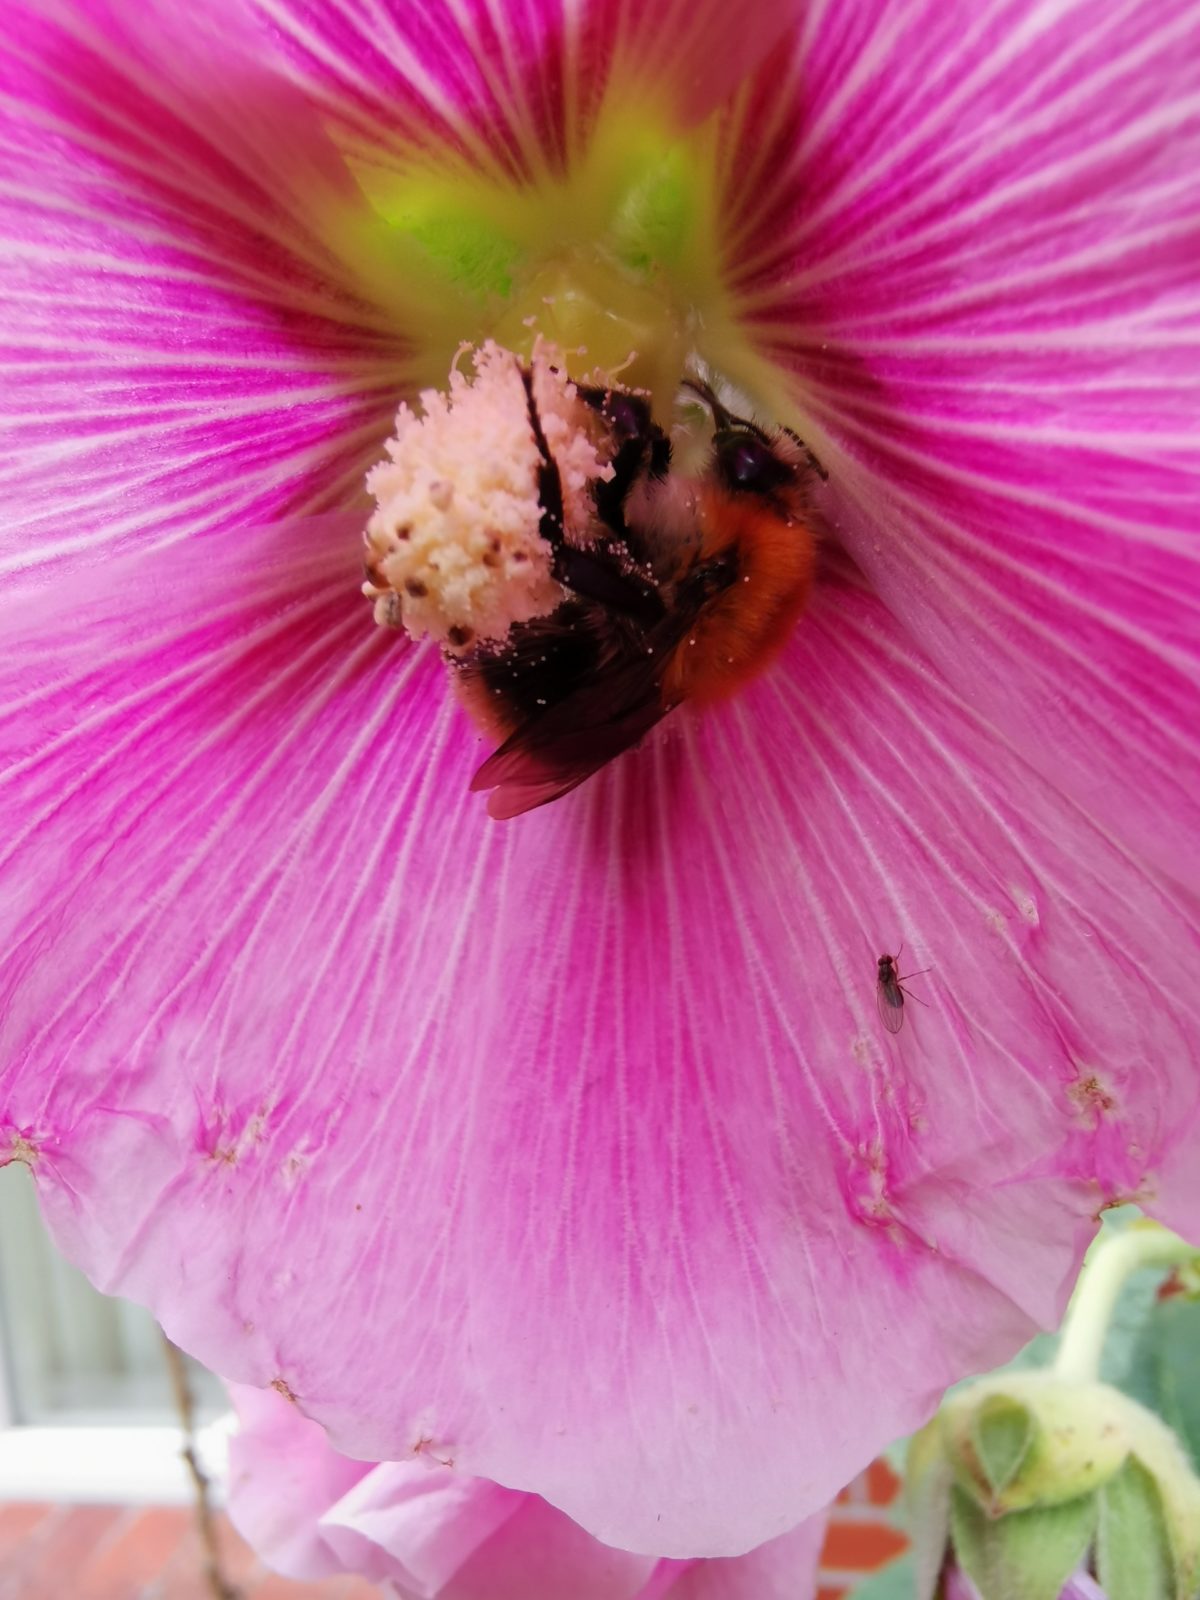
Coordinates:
[96,1502]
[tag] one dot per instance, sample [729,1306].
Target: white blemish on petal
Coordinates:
[866,1189]
[294,1166]
[1026,906]
[221,1139]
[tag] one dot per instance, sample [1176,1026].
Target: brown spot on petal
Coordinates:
[23,1149]
[1091,1099]
[294,1167]
[283,1387]
[426,1444]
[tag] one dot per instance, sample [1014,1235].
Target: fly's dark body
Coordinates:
[890,991]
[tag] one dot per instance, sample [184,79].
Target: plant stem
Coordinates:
[220,1586]
[1112,1258]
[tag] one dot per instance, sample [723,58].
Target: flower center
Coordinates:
[613,248]
[591,537]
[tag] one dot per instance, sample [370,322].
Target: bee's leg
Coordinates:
[642,449]
[550,495]
[583,572]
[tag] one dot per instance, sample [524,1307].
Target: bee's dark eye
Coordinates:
[747,462]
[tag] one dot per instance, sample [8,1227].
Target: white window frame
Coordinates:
[134,1463]
[125,1464]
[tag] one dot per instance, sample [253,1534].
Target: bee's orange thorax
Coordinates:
[741,630]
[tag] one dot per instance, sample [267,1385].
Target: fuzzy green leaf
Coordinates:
[927,1480]
[1026,1555]
[1164,1369]
[1133,1553]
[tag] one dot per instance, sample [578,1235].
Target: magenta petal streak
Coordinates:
[574,1150]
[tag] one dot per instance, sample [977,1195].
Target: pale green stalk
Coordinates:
[1111,1260]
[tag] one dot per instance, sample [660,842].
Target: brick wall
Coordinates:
[152,1553]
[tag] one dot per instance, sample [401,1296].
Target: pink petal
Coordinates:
[179,347]
[283,1478]
[511,88]
[970,234]
[572,1149]
[777,1570]
[437,1535]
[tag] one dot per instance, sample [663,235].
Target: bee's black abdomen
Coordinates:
[595,575]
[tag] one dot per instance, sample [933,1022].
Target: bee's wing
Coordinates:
[891,1006]
[557,750]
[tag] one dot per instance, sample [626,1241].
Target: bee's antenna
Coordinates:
[721,417]
[813,461]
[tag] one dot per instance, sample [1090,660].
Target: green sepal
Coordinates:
[1026,1555]
[1133,1550]
[1003,1431]
[927,1481]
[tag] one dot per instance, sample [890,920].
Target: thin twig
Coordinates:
[185,1404]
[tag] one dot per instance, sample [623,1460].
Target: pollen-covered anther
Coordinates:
[454,549]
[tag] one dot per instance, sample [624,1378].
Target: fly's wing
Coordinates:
[891,1006]
[556,751]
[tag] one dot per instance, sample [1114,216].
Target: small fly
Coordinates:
[890,991]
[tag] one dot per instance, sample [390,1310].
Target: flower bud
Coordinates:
[1040,1487]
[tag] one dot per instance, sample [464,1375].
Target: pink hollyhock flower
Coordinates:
[435,1534]
[574,1149]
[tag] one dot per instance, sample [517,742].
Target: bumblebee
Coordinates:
[688,588]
